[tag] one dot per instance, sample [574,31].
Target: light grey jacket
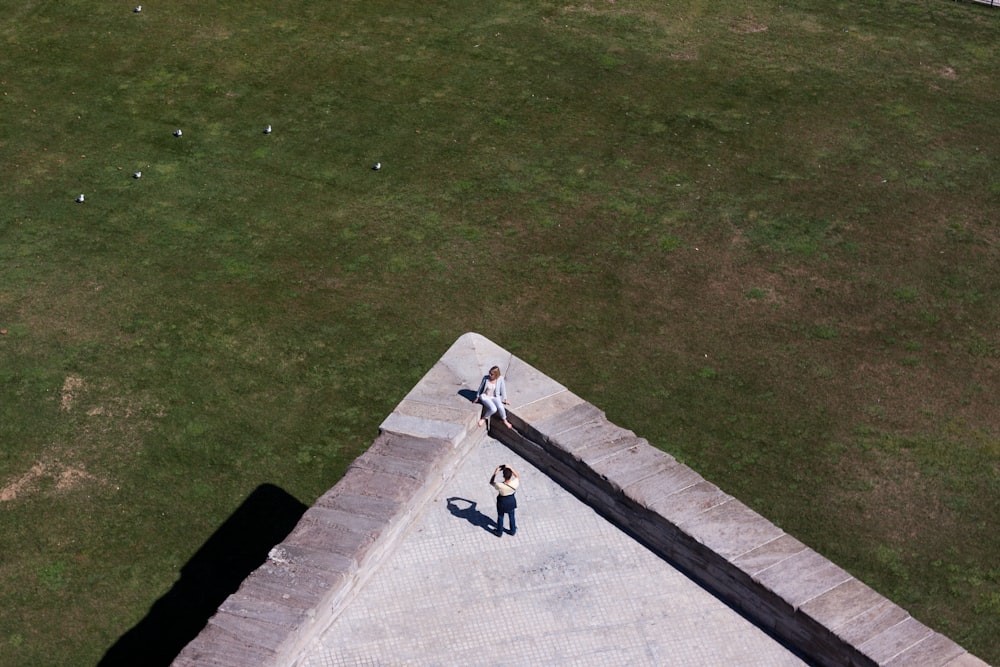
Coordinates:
[501,391]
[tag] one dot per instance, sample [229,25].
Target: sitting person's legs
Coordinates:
[503,412]
[489,407]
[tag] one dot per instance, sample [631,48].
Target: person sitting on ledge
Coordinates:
[493,394]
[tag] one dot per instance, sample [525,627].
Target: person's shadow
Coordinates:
[471,514]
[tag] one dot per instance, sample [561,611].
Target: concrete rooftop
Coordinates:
[569,589]
[396,564]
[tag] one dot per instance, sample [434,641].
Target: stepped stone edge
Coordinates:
[805,601]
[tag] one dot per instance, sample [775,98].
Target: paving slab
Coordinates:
[588,435]
[377,508]
[441,385]
[568,589]
[411,425]
[731,529]
[220,648]
[769,554]
[871,623]
[842,603]
[656,491]
[572,418]
[803,577]
[459,413]
[534,411]
[693,501]
[633,464]
[472,351]
[966,660]
[895,640]
[934,650]
[528,385]
[376,484]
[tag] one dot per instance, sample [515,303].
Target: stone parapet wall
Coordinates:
[338,543]
[807,602]
[810,604]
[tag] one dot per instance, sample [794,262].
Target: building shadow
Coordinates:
[471,514]
[237,548]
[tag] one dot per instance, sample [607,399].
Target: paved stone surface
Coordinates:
[568,589]
[571,589]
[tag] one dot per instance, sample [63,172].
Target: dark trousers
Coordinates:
[506,505]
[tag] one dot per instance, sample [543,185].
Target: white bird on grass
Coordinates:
[137,174]
[376,166]
[79,200]
[267,130]
[137,9]
[177,133]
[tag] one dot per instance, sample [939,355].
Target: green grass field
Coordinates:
[762,235]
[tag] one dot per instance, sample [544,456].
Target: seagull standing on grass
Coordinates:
[267,130]
[376,166]
[177,133]
[79,200]
[137,174]
[137,9]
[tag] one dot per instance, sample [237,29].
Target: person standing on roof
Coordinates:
[493,395]
[506,502]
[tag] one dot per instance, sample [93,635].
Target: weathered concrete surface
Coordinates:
[570,589]
[774,580]
[803,598]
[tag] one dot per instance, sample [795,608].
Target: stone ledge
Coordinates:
[341,540]
[214,647]
[804,600]
[336,546]
[936,649]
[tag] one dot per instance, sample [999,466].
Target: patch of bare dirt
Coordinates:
[748,25]
[16,487]
[70,389]
[684,55]
[130,412]
[106,427]
[63,478]
[70,478]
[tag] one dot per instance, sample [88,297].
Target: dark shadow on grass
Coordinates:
[236,549]
[471,514]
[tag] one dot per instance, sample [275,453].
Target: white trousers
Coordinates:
[493,404]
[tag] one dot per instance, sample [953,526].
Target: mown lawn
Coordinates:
[761,235]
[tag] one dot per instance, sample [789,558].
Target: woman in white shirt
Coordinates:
[493,395]
[506,500]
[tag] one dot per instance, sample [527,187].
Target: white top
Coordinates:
[506,488]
